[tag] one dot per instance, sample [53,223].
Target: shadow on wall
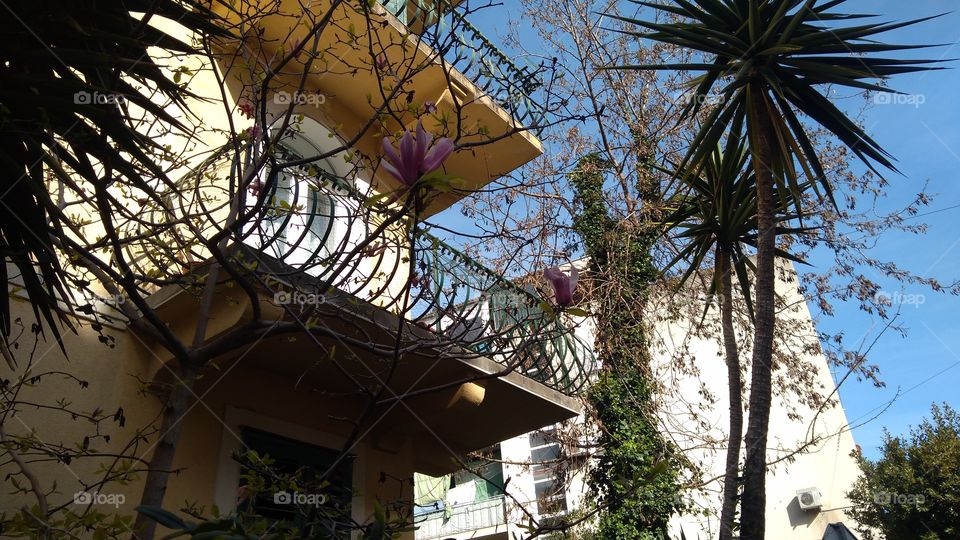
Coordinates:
[798,516]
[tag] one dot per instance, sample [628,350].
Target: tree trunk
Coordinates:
[178,402]
[732,471]
[753,505]
[161,463]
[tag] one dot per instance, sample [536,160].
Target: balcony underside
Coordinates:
[354,92]
[471,403]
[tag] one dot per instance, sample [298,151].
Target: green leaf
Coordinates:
[163,517]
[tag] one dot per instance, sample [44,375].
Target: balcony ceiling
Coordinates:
[353,92]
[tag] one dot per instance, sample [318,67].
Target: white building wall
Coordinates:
[807,447]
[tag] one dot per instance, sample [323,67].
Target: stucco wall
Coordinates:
[240,395]
[699,425]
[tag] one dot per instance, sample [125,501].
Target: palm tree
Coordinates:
[715,212]
[769,60]
[72,70]
[77,76]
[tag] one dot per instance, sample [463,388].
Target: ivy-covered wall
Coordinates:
[635,477]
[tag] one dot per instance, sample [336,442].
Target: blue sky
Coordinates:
[924,137]
[923,133]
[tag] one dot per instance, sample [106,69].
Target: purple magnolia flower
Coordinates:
[563,285]
[253,132]
[246,108]
[429,107]
[415,157]
[256,187]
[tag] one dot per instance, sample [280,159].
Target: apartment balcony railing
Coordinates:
[313,230]
[472,54]
[462,518]
[467,302]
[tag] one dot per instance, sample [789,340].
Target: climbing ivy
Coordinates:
[635,478]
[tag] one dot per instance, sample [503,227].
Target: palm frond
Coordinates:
[787,50]
[57,58]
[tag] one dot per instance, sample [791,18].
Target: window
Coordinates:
[299,214]
[308,462]
[549,486]
[308,213]
[490,482]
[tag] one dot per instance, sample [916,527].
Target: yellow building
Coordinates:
[468,369]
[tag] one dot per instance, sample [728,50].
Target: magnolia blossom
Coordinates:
[246,108]
[256,187]
[415,157]
[253,132]
[563,285]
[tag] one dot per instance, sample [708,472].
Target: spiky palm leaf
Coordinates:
[788,49]
[56,59]
[717,207]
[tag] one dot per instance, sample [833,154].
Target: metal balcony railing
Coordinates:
[482,62]
[450,293]
[462,518]
[317,227]
[467,302]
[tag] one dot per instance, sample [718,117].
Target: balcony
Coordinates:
[483,99]
[481,519]
[479,60]
[476,348]
[455,303]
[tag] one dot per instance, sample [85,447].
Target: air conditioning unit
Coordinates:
[809,498]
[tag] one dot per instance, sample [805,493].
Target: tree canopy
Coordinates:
[913,489]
